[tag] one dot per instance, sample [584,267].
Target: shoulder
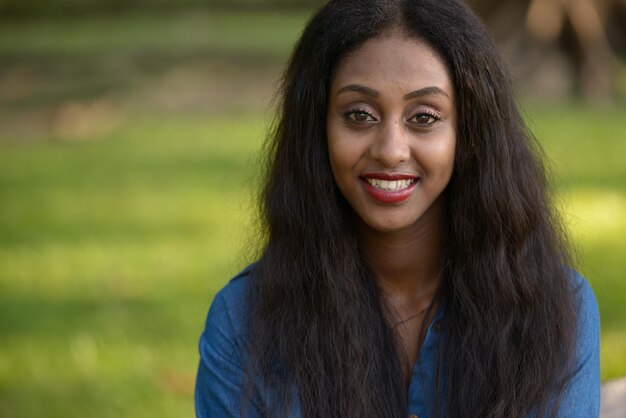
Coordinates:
[586,306]
[235,292]
[223,346]
[228,313]
[588,324]
[225,335]
[581,286]
[582,396]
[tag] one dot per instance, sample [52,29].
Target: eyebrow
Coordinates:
[425,91]
[359,89]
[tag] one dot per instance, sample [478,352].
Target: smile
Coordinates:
[390,185]
[389,188]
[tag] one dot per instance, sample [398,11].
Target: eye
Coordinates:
[425,119]
[358,115]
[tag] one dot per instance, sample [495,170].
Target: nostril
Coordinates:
[390,151]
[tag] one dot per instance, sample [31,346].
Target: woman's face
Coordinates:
[391,128]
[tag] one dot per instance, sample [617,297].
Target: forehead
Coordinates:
[393,60]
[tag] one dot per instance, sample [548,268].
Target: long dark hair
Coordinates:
[317,327]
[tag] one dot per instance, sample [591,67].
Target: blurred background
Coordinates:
[130,135]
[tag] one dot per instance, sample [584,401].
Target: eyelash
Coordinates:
[431,114]
[350,113]
[436,117]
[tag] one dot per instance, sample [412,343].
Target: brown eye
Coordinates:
[360,116]
[424,119]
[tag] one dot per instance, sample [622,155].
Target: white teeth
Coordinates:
[391,186]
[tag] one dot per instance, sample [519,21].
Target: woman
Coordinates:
[412,265]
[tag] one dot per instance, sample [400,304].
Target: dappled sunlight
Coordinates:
[593,215]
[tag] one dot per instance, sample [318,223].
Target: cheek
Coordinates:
[449,156]
[343,155]
[340,163]
[438,158]
[334,157]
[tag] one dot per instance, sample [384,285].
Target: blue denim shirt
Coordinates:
[219,384]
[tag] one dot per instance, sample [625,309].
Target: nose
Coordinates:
[391,146]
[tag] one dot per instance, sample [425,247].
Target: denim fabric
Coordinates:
[219,384]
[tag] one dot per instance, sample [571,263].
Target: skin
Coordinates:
[391,110]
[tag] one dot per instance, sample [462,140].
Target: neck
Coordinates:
[407,264]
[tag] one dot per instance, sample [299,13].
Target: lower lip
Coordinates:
[386,196]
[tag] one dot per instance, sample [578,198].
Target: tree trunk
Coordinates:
[559,47]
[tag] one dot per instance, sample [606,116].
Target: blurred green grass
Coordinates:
[110,253]
[244,32]
[112,247]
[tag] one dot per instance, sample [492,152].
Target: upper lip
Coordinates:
[388,176]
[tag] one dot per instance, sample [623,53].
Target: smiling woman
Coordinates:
[391,131]
[412,262]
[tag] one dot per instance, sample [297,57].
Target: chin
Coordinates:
[390,226]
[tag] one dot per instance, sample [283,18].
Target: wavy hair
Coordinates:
[317,323]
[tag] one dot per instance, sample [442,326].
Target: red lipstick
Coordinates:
[388,196]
